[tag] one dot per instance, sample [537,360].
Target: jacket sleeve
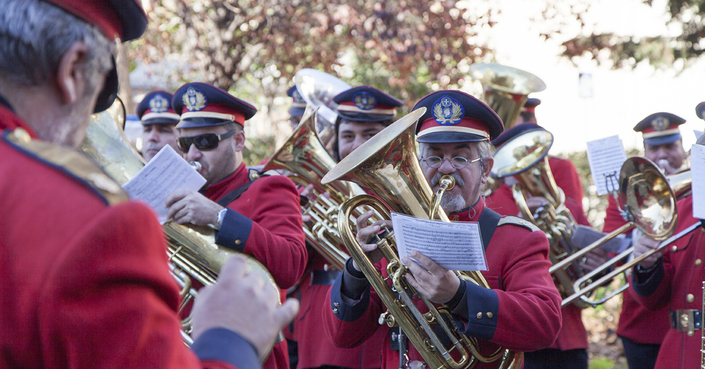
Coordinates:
[347,322]
[522,311]
[272,232]
[110,302]
[653,290]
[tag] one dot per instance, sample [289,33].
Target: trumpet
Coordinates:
[650,206]
[388,164]
[191,249]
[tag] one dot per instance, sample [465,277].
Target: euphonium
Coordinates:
[304,156]
[526,157]
[506,89]
[387,164]
[191,249]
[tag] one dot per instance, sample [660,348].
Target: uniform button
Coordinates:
[690,297]
[335,310]
[674,248]
[489,315]
[237,242]
[690,333]
[336,304]
[479,315]
[698,261]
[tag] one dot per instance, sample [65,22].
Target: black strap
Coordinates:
[488,223]
[234,194]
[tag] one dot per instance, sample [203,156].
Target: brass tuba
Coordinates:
[192,250]
[526,157]
[318,90]
[388,165]
[506,89]
[305,157]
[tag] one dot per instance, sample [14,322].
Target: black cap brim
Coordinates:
[450,137]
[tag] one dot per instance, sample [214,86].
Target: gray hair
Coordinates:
[34,36]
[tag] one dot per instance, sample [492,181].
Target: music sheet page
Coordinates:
[606,157]
[166,173]
[697,169]
[454,245]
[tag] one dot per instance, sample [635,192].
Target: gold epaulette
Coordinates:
[71,162]
[519,222]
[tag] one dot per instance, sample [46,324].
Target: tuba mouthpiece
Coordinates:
[195,165]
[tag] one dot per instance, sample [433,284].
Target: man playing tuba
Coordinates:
[521,311]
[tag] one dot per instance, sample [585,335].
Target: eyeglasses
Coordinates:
[204,142]
[457,162]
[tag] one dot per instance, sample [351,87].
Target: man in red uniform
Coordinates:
[521,311]
[159,122]
[85,282]
[257,216]
[642,330]
[570,349]
[672,279]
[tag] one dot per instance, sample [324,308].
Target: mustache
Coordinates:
[458,179]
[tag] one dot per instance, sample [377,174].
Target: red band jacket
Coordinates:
[265,222]
[85,282]
[677,284]
[573,334]
[521,310]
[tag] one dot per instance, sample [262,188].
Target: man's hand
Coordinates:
[437,284]
[191,207]
[644,245]
[594,259]
[243,303]
[365,234]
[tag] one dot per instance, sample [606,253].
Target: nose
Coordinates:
[359,140]
[193,153]
[447,166]
[153,136]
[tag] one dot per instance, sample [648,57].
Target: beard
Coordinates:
[451,202]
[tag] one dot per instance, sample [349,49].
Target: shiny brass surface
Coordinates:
[306,160]
[526,157]
[651,205]
[191,249]
[505,89]
[318,90]
[387,165]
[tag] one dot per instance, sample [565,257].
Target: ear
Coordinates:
[239,138]
[70,79]
[487,167]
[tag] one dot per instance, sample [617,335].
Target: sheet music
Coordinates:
[454,245]
[697,166]
[165,173]
[606,157]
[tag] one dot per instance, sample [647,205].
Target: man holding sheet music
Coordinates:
[521,311]
[260,217]
[642,330]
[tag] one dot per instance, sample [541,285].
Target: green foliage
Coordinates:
[258,149]
[601,363]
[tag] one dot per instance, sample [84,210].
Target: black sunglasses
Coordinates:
[204,142]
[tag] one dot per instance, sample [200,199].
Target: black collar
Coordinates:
[5,103]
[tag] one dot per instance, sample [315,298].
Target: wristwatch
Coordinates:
[219,218]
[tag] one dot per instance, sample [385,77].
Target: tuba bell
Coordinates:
[505,89]
[191,249]
[388,165]
[306,159]
[318,90]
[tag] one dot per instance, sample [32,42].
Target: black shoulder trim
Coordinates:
[489,219]
[69,162]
